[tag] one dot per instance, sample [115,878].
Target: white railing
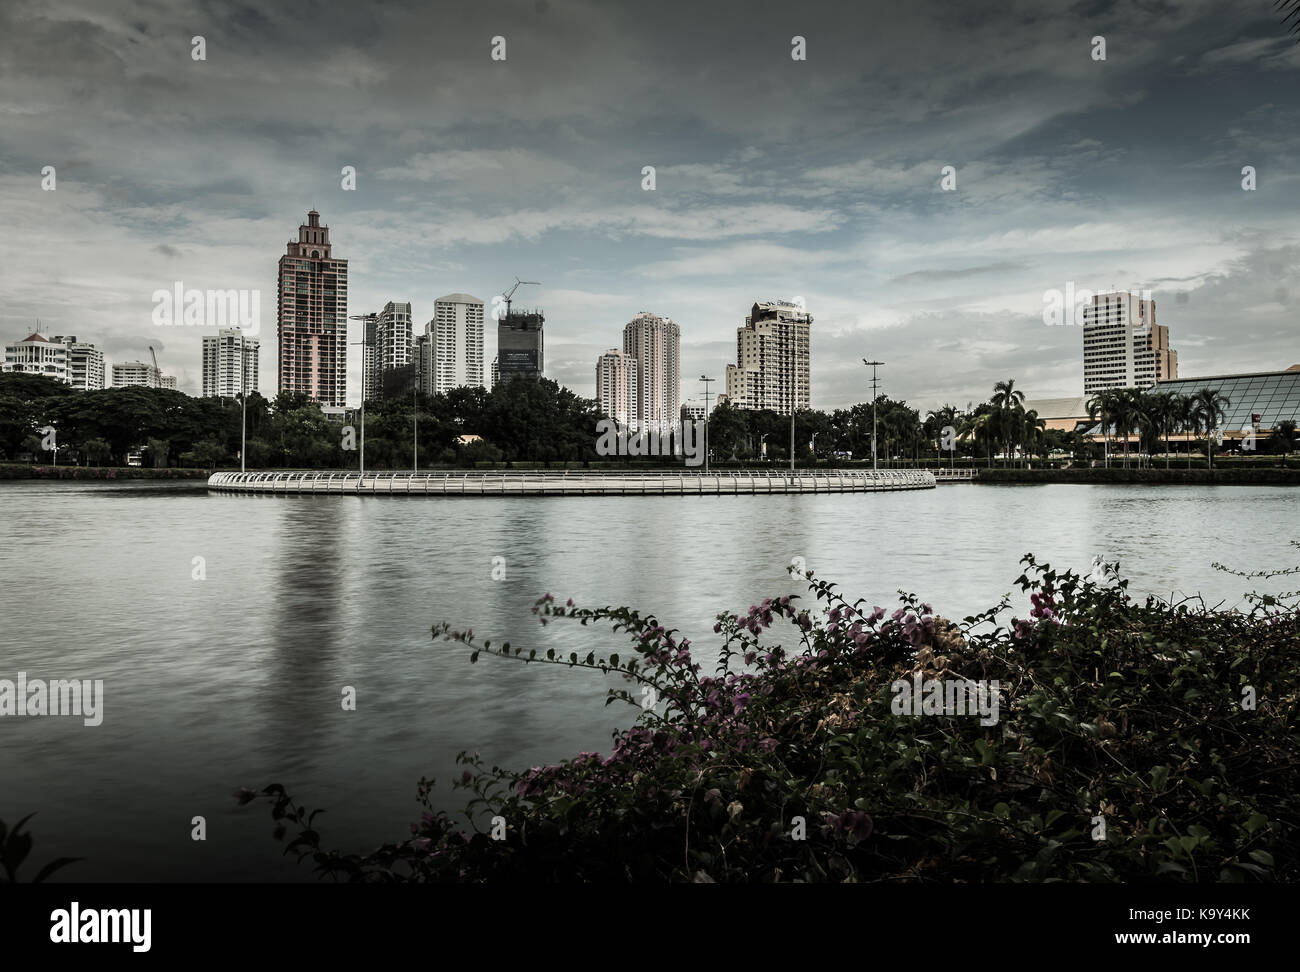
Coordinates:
[575,482]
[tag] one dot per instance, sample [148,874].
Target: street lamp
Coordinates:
[368,319]
[706,379]
[874,396]
[243,406]
[793,408]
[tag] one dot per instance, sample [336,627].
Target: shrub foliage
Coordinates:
[1136,741]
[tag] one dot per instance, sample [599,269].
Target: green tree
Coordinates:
[1284,436]
[1008,402]
[97,450]
[1211,407]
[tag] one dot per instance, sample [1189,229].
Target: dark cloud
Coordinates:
[818,178]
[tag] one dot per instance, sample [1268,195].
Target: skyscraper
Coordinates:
[773,359]
[312,315]
[1123,347]
[450,352]
[85,363]
[224,373]
[616,385]
[519,346]
[388,347]
[654,343]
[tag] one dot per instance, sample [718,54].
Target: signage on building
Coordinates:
[512,362]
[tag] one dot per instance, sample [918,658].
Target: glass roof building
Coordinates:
[1272,395]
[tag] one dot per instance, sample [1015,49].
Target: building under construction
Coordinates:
[519,346]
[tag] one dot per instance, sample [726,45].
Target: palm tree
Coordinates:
[1008,402]
[1211,407]
[1285,432]
[1189,422]
[1151,407]
[1101,406]
[1165,412]
[1127,412]
[1033,433]
[980,427]
[935,423]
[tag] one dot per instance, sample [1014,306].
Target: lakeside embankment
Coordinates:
[1237,476]
[23,470]
[1261,476]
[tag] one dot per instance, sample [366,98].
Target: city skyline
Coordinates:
[1120,174]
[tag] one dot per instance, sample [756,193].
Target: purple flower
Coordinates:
[853,822]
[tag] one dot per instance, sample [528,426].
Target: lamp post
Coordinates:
[706,379]
[368,320]
[794,330]
[243,406]
[874,396]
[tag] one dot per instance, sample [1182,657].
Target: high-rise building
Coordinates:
[369,358]
[85,363]
[312,317]
[773,359]
[654,343]
[138,373]
[450,352]
[38,355]
[519,346]
[1123,347]
[229,363]
[388,347]
[616,386]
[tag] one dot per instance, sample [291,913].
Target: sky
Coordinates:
[774,177]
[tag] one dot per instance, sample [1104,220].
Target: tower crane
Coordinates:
[510,293]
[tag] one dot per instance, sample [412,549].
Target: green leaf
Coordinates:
[1159,776]
[1263,857]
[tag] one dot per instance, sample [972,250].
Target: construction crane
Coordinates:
[510,293]
[157,375]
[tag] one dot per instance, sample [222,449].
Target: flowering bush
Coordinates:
[1137,741]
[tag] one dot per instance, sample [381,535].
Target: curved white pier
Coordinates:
[572,483]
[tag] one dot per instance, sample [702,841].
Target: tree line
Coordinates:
[541,421]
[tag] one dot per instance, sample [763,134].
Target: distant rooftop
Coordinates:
[1056,408]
